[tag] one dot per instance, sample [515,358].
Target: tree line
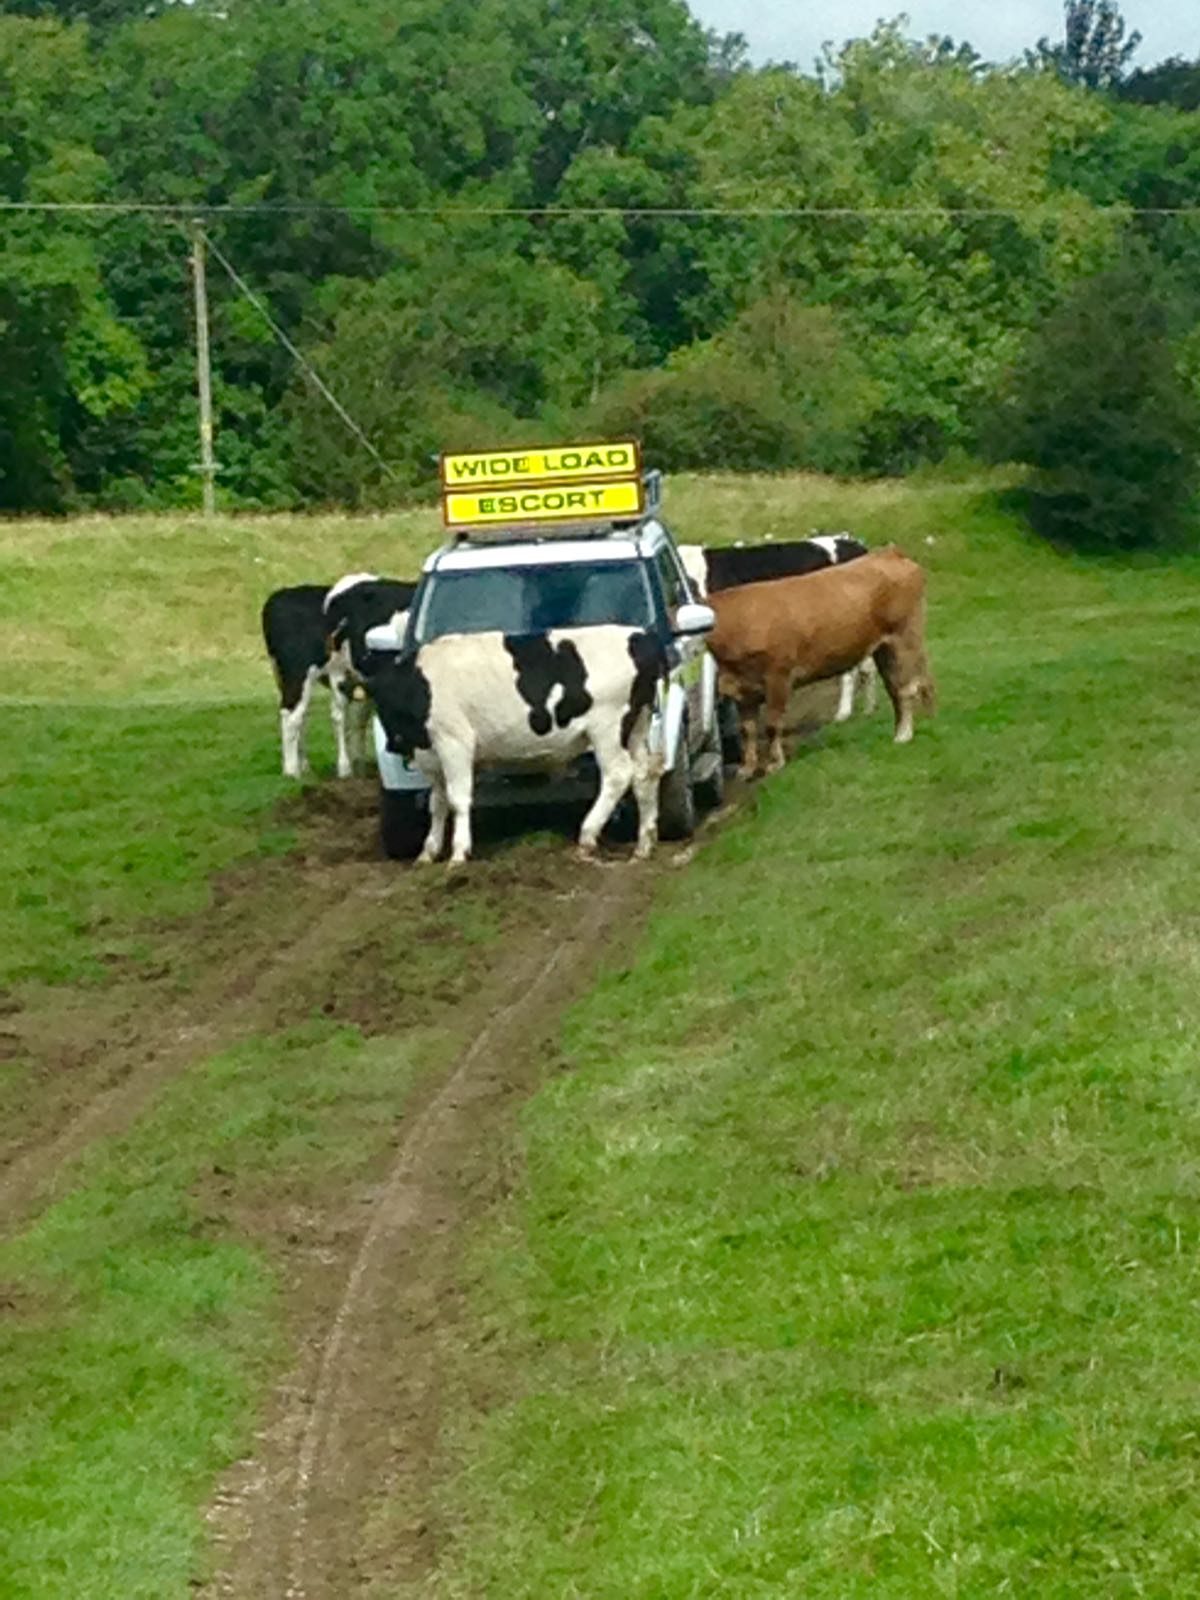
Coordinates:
[491,221]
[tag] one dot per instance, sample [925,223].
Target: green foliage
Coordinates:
[1174,82]
[64,358]
[1103,413]
[956,204]
[778,388]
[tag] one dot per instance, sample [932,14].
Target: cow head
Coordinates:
[402,699]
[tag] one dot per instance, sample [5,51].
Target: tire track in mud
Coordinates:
[338,1493]
[178,1035]
[355,1423]
[338,1497]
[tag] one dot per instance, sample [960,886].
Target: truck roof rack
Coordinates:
[536,532]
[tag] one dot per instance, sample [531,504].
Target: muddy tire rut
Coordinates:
[370,1271]
[338,1494]
[354,1427]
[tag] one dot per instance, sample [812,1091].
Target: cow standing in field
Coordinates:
[468,700]
[293,625]
[314,634]
[715,568]
[354,604]
[772,637]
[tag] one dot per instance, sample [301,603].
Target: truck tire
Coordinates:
[403,823]
[710,791]
[730,731]
[676,801]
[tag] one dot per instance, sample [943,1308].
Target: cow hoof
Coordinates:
[456,863]
[747,774]
[903,737]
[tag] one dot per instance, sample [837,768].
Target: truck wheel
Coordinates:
[710,791]
[676,802]
[730,731]
[403,823]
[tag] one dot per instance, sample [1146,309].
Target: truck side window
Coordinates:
[674,585]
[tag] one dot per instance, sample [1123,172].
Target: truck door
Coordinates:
[674,584]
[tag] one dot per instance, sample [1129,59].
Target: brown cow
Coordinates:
[772,637]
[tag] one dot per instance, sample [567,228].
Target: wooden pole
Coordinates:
[208,467]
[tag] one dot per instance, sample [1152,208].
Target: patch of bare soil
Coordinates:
[281,940]
[354,1427]
[371,1267]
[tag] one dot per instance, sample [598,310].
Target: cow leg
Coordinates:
[616,772]
[845,708]
[904,722]
[439,810]
[903,684]
[337,671]
[458,768]
[748,718]
[337,715]
[868,679]
[779,687]
[646,779]
[292,714]
[358,720]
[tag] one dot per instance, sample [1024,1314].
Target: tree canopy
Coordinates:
[500,219]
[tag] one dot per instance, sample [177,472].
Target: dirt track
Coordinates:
[371,1274]
[354,1427]
[337,1496]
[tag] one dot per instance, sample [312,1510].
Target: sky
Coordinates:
[794,30]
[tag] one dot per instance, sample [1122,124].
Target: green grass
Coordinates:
[139,1321]
[143,754]
[142,748]
[860,1252]
[115,816]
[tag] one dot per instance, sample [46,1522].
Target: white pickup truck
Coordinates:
[527,582]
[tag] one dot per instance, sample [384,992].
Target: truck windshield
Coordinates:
[533,599]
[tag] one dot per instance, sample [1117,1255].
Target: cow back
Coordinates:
[731,567]
[820,624]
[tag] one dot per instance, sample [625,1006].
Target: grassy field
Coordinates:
[858,1253]
[145,753]
[113,812]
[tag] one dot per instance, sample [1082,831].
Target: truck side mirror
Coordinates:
[692,618]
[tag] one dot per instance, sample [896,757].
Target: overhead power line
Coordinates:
[301,360]
[174,211]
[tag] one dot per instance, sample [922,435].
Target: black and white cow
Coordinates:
[477,699]
[356,603]
[713,568]
[314,633]
[293,625]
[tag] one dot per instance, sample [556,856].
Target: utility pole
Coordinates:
[208,466]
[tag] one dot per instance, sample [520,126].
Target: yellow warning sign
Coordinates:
[550,464]
[561,504]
